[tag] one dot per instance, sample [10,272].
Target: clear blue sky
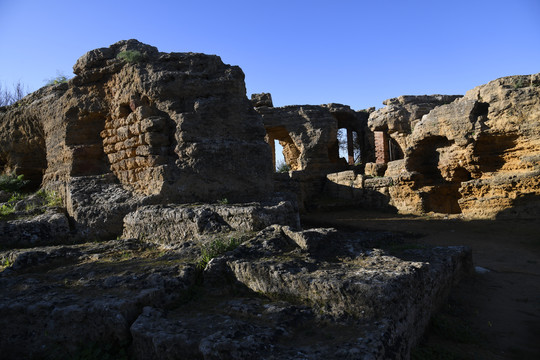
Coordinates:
[304,52]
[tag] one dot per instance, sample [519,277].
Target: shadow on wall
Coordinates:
[337,196]
[524,207]
[491,149]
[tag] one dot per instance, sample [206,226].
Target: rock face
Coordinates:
[309,135]
[172,225]
[400,115]
[175,126]
[129,297]
[477,155]
[480,154]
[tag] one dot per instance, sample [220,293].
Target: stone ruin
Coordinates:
[476,155]
[164,153]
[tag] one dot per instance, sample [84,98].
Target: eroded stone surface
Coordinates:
[282,294]
[174,224]
[173,125]
[476,155]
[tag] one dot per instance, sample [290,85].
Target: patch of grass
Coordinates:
[52,198]
[131,56]
[223,201]
[215,248]
[9,207]
[12,183]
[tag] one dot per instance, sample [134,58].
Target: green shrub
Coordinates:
[12,182]
[60,79]
[131,56]
[216,248]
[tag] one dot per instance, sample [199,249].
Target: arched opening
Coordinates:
[285,153]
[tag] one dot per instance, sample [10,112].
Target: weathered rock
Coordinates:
[262,99]
[60,302]
[126,296]
[476,156]
[178,126]
[338,282]
[400,115]
[48,228]
[307,133]
[174,224]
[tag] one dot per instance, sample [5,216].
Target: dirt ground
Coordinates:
[492,314]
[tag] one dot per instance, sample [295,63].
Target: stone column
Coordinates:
[381,147]
[270,140]
[350,146]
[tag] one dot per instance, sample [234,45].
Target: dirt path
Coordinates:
[493,314]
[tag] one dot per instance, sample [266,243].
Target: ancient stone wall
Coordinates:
[478,155]
[400,116]
[176,126]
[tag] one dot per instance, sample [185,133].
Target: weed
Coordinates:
[216,248]
[223,201]
[6,263]
[131,56]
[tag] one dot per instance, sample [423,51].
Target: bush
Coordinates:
[12,183]
[131,56]
[60,79]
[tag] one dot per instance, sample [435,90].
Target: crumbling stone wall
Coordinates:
[177,127]
[394,123]
[478,155]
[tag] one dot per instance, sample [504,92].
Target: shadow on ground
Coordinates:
[492,314]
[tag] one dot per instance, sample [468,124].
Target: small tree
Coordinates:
[282,167]
[8,97]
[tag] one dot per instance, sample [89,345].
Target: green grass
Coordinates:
[215,248]
[51,199]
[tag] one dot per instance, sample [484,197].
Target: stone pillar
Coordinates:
[270,140]
[381,147]
[350,146]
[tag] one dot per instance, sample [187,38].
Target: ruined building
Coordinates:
[476,155]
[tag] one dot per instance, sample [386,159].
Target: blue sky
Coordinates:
[304,52]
